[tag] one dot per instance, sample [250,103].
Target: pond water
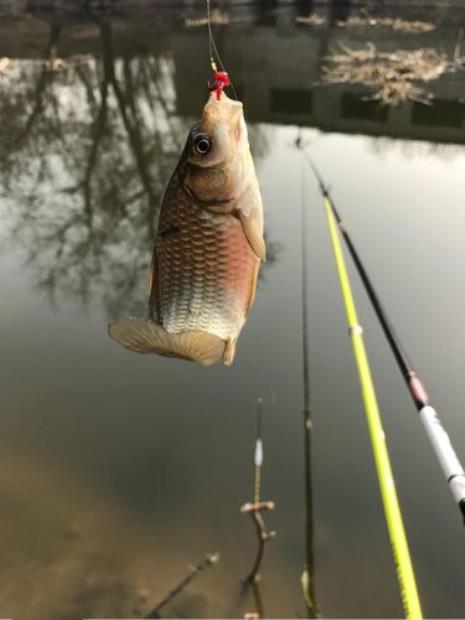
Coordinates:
[118,471]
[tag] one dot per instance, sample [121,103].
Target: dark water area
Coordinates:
[118,471]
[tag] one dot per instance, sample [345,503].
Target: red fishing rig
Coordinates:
[219,82]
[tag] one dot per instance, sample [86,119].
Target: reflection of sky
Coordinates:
[147,460]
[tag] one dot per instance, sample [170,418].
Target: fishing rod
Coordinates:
[307,578]
[400,549]
[440,441]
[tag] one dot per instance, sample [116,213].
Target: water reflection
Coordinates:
[85,160]
[92,139]
[125,470]
[69,559]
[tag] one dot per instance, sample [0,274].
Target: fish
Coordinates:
[209,246]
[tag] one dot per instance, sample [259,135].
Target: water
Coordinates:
[118,470]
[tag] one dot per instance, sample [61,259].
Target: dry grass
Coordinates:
[397,24]
[217,18]
[311,20]
[365,21]
[395,76]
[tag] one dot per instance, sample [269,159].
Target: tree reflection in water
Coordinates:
[85,157]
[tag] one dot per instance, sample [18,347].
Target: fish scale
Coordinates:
[203,270]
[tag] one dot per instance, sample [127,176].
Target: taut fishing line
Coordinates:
[213,51]
[211,42]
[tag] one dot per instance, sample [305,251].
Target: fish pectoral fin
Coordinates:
[148,337]
[250,211]
[252,225]
[253,286]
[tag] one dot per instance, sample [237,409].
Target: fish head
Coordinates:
[218,155]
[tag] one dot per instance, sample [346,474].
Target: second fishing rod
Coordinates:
[440,441]
[400,550]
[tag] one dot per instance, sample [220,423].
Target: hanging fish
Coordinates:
[208,247]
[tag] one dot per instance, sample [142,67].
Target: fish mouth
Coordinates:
[222,110]
[225,110]
[224,100]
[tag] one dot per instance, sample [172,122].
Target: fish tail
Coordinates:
[148,337]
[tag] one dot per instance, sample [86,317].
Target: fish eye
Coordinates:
[202,144]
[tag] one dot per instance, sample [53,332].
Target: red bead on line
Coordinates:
[220,81]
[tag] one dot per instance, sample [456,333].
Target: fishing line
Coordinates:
[442,446]
[393,515]
[213,51]
[211,43]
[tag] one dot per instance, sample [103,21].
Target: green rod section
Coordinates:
[400,549]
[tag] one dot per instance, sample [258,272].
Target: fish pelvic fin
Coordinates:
[148,337]
[229,351]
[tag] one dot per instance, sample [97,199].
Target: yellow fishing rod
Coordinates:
[400,549]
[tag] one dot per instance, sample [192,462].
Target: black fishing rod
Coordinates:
[440,441]
[307,578]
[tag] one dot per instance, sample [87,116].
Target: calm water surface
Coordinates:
[117,471]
